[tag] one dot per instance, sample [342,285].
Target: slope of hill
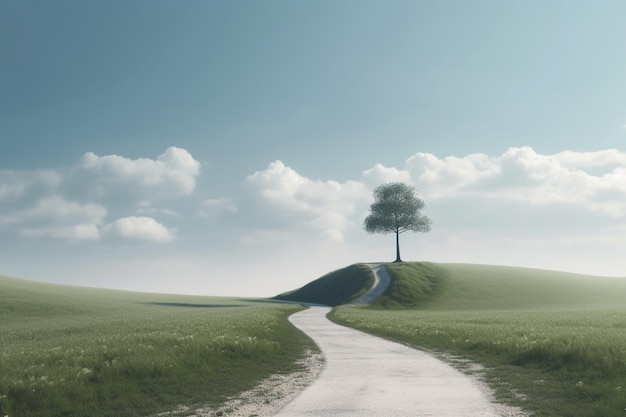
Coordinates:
[76,351]
[338,287]
[467,286]
[551,342]
[464,287]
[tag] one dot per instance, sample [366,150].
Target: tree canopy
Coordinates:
[396,209]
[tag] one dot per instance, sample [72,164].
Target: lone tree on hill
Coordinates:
[396,209]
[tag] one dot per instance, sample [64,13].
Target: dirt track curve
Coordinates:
[369,376]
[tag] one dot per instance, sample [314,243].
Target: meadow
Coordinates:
[69,351]
[553,343]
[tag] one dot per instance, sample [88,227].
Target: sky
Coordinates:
[231,147]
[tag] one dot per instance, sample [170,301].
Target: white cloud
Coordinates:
[523,175]
[328,207]
[575,160]
[518,192]
[140,228]
[73,203]
[17,187]
[172,173]
[522,193]
[146,208]
[381,174]
[442,176]
[213,206]
[58,209]
[55,217]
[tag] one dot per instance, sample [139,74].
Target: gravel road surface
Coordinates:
[368,376]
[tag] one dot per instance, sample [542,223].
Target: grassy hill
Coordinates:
[551,342]
[470,287]
[338,287]
[75,351]
[464,286]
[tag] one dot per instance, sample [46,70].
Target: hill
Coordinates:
[464,287]
[338,287]
[550,342]
[469,287]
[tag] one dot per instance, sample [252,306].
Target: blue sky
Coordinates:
[230,148]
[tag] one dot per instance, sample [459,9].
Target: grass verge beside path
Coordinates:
[552,343]
[70,351]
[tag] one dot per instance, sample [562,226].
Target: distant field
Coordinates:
[554,343]
[71,351]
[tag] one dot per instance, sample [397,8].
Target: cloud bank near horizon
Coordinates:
[75,203]
[326,207]
[567,196]
[520,192]
[136,223]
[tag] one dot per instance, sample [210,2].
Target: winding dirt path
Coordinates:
[381,282]
[369,376]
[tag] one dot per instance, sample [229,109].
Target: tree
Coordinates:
[396,209]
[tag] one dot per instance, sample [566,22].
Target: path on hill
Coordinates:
[368,376]
[381,282]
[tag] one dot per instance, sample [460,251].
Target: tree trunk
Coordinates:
[398,247]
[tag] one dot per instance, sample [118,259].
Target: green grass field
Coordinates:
[553,343]
[70,351]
